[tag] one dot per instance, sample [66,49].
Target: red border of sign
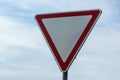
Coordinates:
[64,66]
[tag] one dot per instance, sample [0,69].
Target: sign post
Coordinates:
[65,75]
[65,34]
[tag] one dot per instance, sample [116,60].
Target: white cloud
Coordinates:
[13,32]
[21,49]
[15,35]
[27,5]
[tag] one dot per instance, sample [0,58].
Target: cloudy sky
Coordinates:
[24,54]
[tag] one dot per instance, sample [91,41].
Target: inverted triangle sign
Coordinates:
[66,32]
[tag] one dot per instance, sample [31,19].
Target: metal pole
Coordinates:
[65,75]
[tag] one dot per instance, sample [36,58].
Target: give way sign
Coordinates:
[66,32]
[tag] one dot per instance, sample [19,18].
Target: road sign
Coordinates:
[66,32]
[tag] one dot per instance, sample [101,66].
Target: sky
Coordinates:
[24,54]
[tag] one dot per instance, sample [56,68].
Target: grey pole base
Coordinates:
[65,75]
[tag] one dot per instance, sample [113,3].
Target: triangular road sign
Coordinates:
[66,32]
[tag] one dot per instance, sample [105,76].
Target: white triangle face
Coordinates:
[65,32]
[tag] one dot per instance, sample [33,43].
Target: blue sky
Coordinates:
[24,54]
